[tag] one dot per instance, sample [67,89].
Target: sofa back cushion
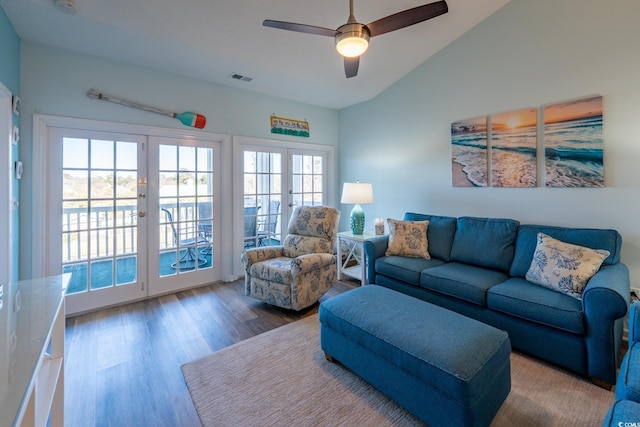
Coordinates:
[439,233]
[608,240]
[485,242]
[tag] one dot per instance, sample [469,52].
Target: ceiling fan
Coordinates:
[352,38]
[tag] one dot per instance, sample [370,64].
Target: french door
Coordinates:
[273,178]
[184,205]
[131,215]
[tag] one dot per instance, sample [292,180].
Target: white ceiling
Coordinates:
[211,39]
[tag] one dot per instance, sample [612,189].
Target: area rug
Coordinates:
[282,378]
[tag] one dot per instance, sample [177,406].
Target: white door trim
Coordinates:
[6,231]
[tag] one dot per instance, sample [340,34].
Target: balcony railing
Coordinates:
[103,232]
[115,231]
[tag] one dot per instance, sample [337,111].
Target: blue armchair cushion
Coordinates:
[463,281]
[485,242]
[528,301]
[609,240]
[439,234]
[563,267]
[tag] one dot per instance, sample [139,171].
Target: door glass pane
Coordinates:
[262,198]
[307,180]
[99,208]
[185,191]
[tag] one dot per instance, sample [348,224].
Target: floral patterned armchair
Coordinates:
[296,274]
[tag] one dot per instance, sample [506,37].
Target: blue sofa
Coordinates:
[478,267]
[625,410]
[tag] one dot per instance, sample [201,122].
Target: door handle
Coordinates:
[142,214]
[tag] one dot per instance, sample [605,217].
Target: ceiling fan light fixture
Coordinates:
[352,40]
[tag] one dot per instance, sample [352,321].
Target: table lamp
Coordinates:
[358,194]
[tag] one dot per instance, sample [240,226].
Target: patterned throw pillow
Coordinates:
[562,266]
[408,238]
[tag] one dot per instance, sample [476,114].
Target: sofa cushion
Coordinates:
[485,242]
[463,281]
[532,302]
[609,240]
[440,233]
[405,268]
[563,267]
[408,238]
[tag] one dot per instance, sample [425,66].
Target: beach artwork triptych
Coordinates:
[500,150]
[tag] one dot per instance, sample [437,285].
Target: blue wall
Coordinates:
[527,54]
[55,82]
[9,55]
[10,78]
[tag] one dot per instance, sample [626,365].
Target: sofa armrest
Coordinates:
[605,302]
[373,249]
[305,263]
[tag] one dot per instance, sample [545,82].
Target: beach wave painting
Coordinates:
[469,152]
[573,143]
[513,148]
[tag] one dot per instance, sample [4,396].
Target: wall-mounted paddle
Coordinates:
[187,118]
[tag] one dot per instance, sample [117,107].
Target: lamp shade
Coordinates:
[358,193]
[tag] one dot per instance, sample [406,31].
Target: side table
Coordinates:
[355,243]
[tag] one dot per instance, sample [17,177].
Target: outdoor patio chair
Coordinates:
[250,226]
[187,244]
[268,233]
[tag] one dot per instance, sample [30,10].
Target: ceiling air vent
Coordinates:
[240,77]
[70,7]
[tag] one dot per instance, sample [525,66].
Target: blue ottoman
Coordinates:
[623,413]
[445,368]
[628,385]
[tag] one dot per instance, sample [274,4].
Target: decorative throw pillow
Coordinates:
[408,238]
[562,266]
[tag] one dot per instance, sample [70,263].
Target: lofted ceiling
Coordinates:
[212,39]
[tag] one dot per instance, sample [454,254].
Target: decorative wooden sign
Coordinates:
[289,126]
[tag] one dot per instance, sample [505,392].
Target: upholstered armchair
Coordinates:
[295,275]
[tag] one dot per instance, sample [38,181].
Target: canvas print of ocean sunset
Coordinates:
[513,148]
[469,152]
[573,143]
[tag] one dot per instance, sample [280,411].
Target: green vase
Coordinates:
[357,220]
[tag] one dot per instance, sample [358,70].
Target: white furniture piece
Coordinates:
[32,323]
[355,245]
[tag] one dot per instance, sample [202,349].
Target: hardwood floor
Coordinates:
[123,364]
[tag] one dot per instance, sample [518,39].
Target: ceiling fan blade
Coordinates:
[301,28]
[351,66]
[407,18]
